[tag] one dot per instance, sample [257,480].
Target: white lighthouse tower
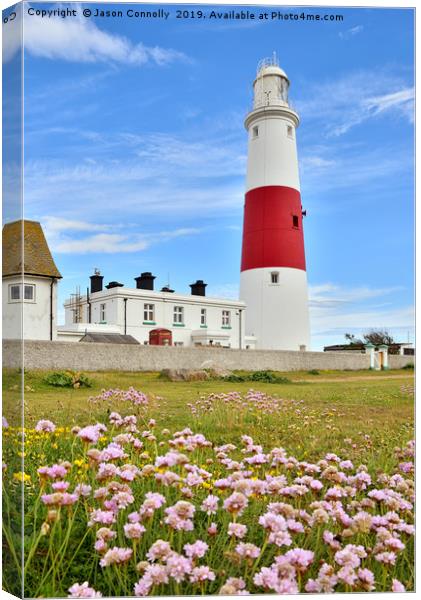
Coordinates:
[273,279]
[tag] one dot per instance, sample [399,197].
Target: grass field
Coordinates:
[363,417]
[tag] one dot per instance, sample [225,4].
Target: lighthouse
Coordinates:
[273,280]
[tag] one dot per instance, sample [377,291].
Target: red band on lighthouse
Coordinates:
[273,232]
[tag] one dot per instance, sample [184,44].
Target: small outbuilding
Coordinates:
[30,278]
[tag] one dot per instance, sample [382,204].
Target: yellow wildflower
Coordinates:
[21,476]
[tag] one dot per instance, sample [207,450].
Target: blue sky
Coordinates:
[135,152]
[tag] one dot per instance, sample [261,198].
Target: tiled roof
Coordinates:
[109,338]
[37,258]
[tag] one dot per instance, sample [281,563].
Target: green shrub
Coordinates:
[67,379]
[236,378]
[409,366]
[261,376]
[313,372]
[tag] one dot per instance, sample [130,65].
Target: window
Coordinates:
[226,318]
[274,277]
[178,315]
[29,292]
[290,131]
[255,132]
[102,312]
[203,317]
[178,343]
[295,221]
[149,312]
[15,292]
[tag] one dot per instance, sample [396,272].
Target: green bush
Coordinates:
[409,366]
[261,376]
[67,379]
[313,372]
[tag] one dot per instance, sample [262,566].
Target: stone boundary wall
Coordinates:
[397,362]
[114,357]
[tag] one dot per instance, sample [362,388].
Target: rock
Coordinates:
[219,372]
[185,374]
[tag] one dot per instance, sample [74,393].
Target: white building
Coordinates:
[30,279]
[191,319]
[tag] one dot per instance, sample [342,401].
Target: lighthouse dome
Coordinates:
[271,84]
[272,70]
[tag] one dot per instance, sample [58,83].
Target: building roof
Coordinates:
[109,338]
[37,258]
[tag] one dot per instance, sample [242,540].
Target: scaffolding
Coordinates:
[76,306]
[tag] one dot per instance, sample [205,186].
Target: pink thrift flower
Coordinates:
[91,433]
[54,472]
[367,580]
[178,566]
[236,503]
[387,558]
[247,550]
[237,530]
[200,574]
[116,556]
[210,505]
[299,558]
[347,575]
[105,517]
[83,591]
[133,531]
[48,427]
[196,550]
[60,486]
[159,550]
[397,586]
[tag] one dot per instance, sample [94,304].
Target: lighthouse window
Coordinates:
[295,221]
[255,132]
[274,277]
[203,317]
[290,131]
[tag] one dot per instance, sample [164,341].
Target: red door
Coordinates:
[160,337]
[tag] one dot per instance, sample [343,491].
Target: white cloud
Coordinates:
[157,174]
[79,40]
[331,294]
[58,232]
[313,161]
[356,98]
[230,291]
[11,33]
[343,166]
[336,310]
[54,225]
[402,100]
[106,243]
[349,33]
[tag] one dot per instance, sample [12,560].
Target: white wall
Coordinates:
[277,314]
[272,155]
[36,313]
